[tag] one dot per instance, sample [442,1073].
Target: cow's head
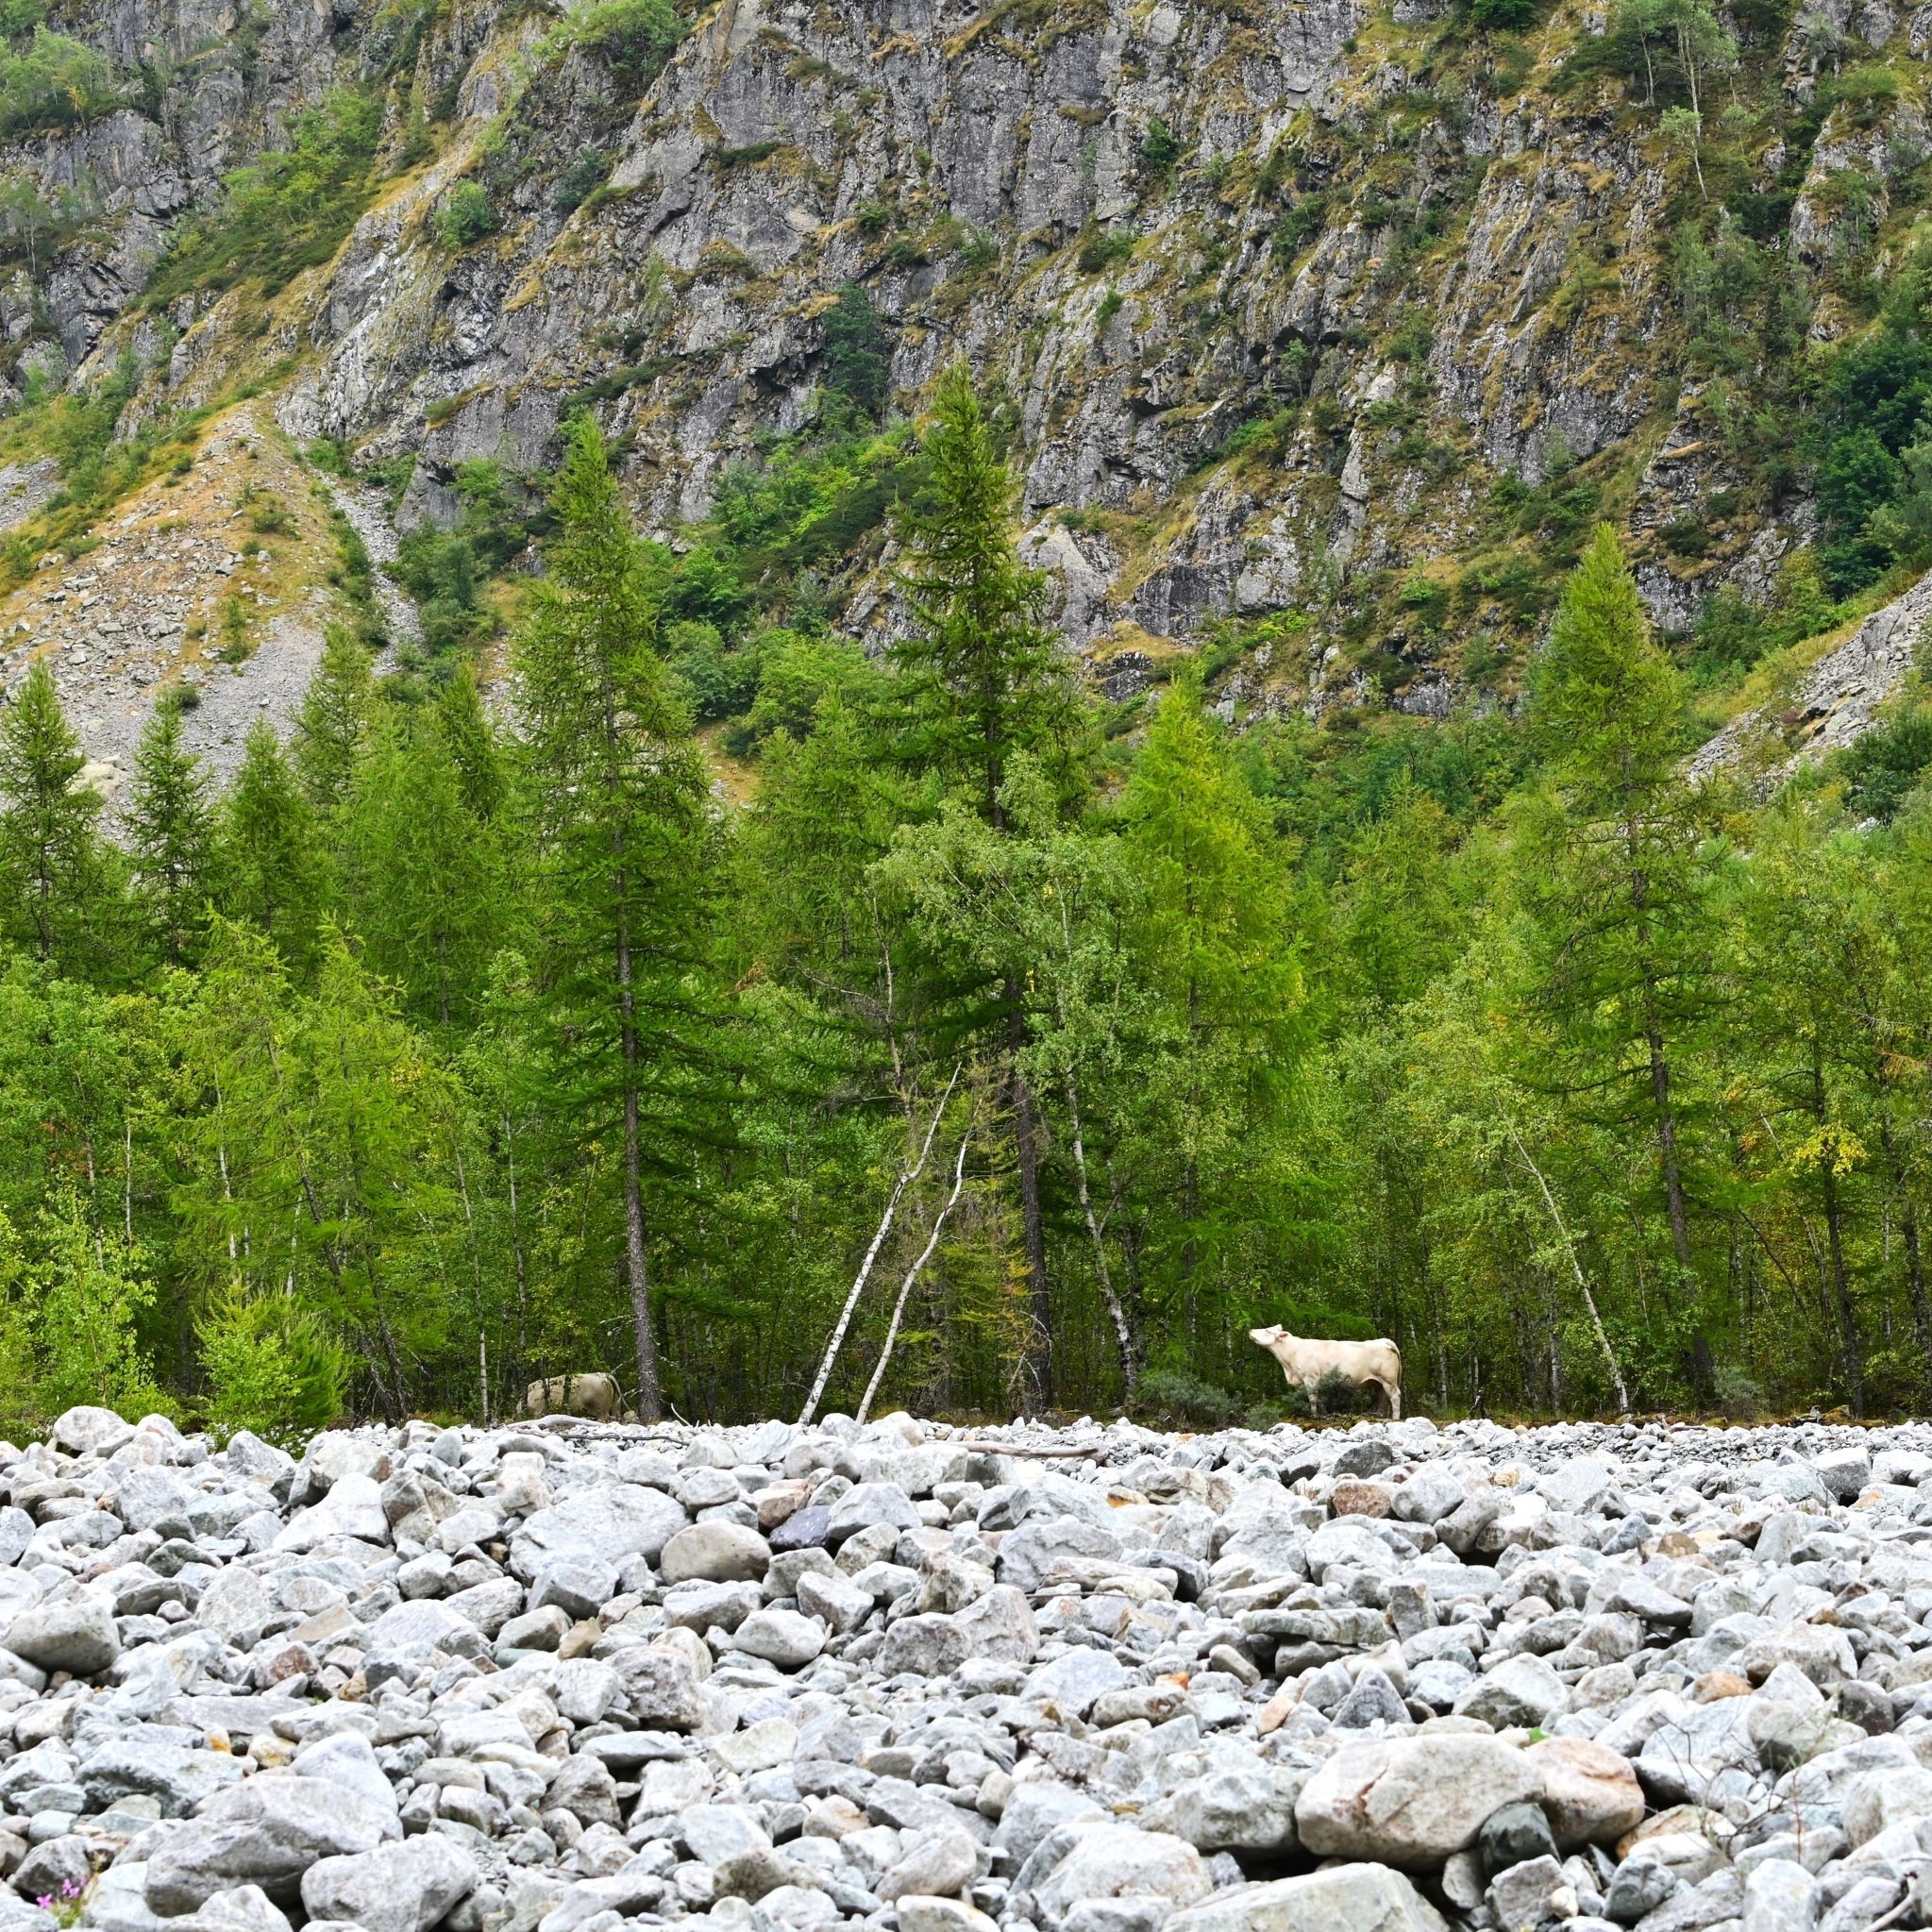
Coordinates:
[1266,1338]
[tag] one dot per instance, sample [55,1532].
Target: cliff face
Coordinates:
[1278,292]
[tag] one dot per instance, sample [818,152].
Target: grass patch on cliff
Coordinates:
[287,211]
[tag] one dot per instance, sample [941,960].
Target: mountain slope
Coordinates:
[1334,323]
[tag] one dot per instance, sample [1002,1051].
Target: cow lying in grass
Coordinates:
[1306,1361]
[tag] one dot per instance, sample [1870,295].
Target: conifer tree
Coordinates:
[1612,873]
[270,869]
[53,871]
[621,797]
[420,870]
[334,720]
[986,683]
[474,744]
[1215,949]
[170,831]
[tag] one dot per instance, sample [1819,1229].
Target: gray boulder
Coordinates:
[1410,1802]
[1116,1860]
[1346,1898]
[605,1522]
[397,1887]
[266,1831]
[73,1634]
[714,1552]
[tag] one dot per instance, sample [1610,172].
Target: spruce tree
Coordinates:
[53,871]
[271,871]
[621,798]
[170,826]
[986,682]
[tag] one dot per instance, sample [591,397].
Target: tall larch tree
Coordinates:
[986,681]
[620,796]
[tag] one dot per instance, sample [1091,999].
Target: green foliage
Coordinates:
[858,351]
[444,570]
[269,864]
[627,862]
[86,1292]
[632,38]
[1297,226]
[51,82]
[171,835]
[1104,250]
[1505,16]
[285,212]
[271,1367]
[54,869]
[1884,766]
[1160,149]
[464,216]
[580,180]
[1180,1398]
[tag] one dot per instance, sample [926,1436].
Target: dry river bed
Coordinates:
[562,1677]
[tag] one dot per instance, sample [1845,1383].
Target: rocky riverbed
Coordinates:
[559,1677]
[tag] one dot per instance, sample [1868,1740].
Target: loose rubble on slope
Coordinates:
[142,613]
[556,1677]
[1840,698]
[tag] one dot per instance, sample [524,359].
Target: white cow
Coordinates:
[1306,1361]
[591,1394]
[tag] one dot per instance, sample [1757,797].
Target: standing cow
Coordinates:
[1304,1361]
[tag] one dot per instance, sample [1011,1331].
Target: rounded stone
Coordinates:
[714,1552]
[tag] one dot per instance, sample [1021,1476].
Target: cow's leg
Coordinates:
[1393,1391]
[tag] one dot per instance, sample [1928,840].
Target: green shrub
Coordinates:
[1297,226]
[73,1327]
[1101,251]
[1179,1395]
[720,679]
[1505,16]
[439,570]
[1160,148]
[632,38]
[579,181]
[858,350]
[287,211]
[272,1368]
[1883,766]
[464,216]
[235,648]
[53,82]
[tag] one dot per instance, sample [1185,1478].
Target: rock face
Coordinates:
[502,1702]
[1838,703]
[1238,359]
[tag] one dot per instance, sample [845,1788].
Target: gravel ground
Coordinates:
[559,1677]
